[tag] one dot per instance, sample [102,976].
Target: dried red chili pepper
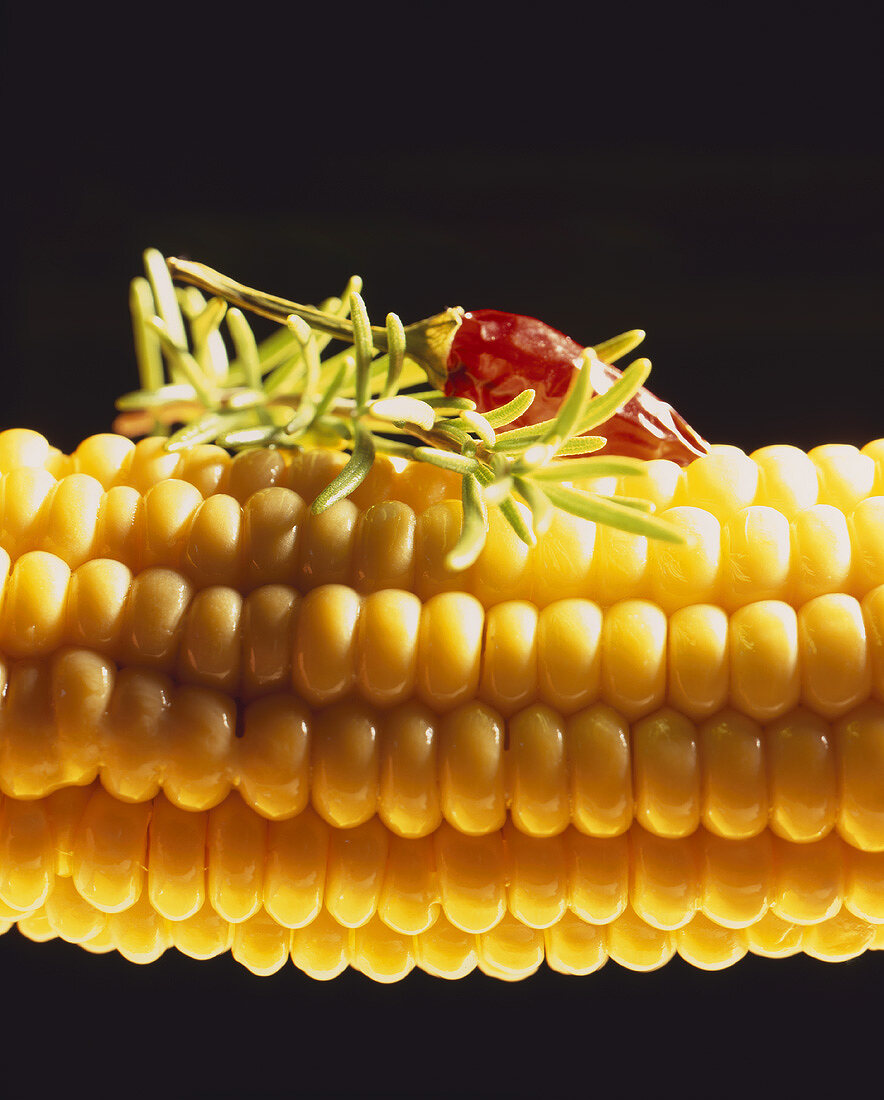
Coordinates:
[495,355]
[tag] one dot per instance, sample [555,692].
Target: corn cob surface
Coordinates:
[228,724]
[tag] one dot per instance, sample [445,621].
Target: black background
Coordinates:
[718,184]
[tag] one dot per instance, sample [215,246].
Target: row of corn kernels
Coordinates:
[756,553]
[510,951]
[115,853]
[73,718]
[388,647]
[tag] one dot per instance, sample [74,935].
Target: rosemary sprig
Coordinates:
[201,368]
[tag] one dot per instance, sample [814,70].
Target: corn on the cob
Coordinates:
[229,724]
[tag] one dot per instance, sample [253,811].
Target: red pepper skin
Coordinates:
[494,356]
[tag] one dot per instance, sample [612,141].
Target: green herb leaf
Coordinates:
[164,395]
[404,409]
[246,348]
[582,445]
[515,519]
[511,411]
[573,408]
[352,475]
[604,405]
[363,345]
[147,344]
[609,351]
[446,460]
[395,354]
[478,424]
[592,507]
[576,469]
[475,526]
[541,508]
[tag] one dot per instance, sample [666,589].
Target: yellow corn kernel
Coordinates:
[274,756]
[25,491]
[842,937]
[509,668]
[773,937]
[381,953]
[563,559]
[472,878]
[636,945]
[569,654]
[35,926]
[836,673]
[140,934]
[697,660]
[71,916]
[575,947]
[449,650]
[205,935]
[27,867]
[734,786]
[666,774]
[253,470]
[387,645]
[110,847]
[295,870]
[756,555]
[21,447]
[105,457]
[206,467]
[808,880]
[119,528]
[345,765]
[322,948]
[634,657]
[737,879]
[384,555]
[409,901]
[176,881]
[511,950]
[846,476]
[859,737]
[765,673]
[261,945]
[169,509]
[357,859]
[212,554]
[236,845]
[151,463]
[686,573]
[821,553]
[504,570]
[537,890]
[446,951]
[802,776]
[409,802]
[707,945]
[598,876]
[723,482]
[864,884]
[472,785]
[665,879]
[599,754]
[34,605]
[866,529]
[788,479]
[538,791]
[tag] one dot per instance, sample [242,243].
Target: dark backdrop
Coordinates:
[717,185]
